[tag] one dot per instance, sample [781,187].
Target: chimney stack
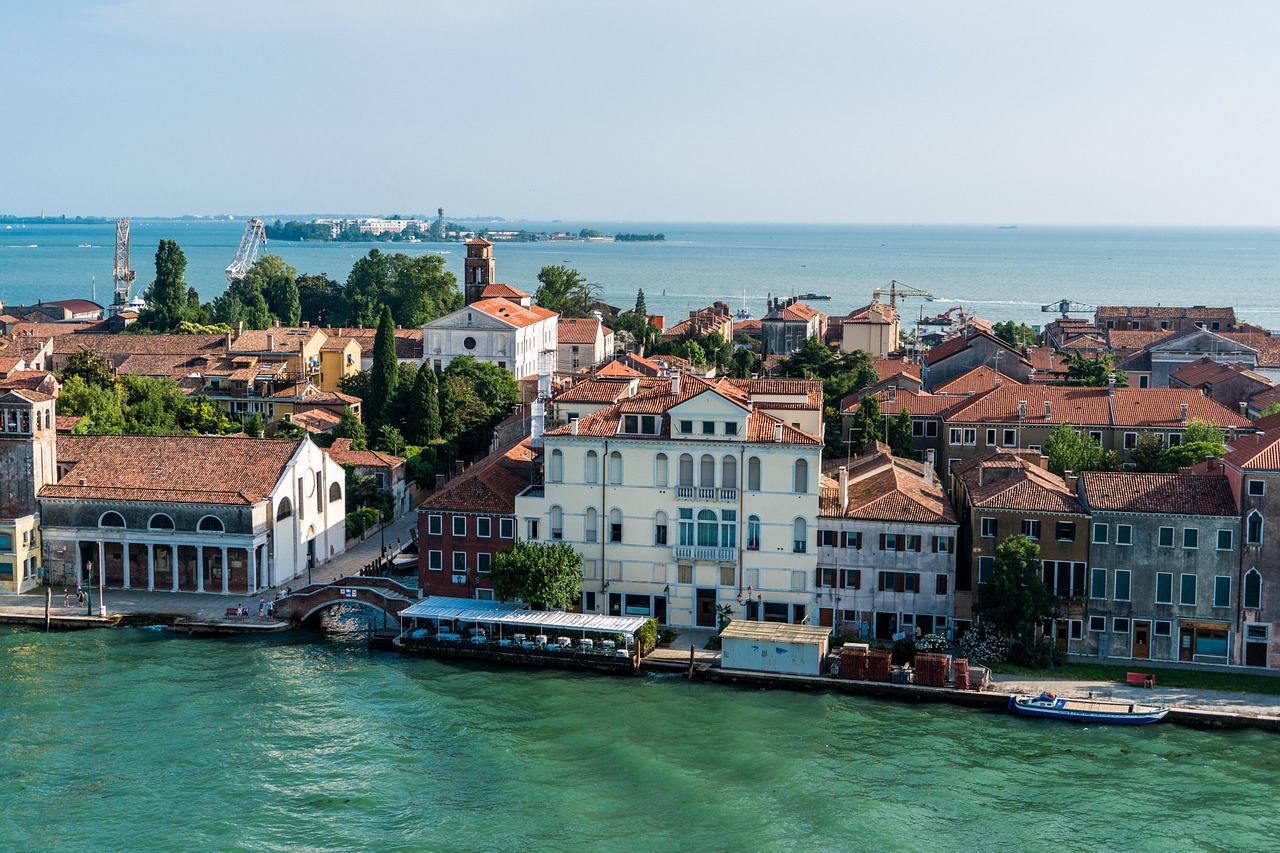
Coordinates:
[1244,409]
[573,426]
[777,432]
[928,466]
[1184,413]
[271,343]
[844,488]
[1022,410]
[1047,409]
[893,393]
[1111,384]
[675,385]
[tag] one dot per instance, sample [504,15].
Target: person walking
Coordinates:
[262,607]
[66,597]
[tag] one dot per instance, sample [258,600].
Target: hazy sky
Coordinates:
[1018,112]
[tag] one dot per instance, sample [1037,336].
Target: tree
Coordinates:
[350,427]
[421,289]
[98,406]
[745,364]
[474,397]
[383,375]
[1017,334]
[1068,449]
[424,420]
[900,435]
[1147,453]
[566,292]
[1094,371]
[319,299]
[167,296]
[1015,601]
[544,574]
[389,440]
[91,367]
[1273,408]
[866,425]
[641,308]
[254,425]
[278,284]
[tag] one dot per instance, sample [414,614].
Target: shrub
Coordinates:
[668,635]
[931,643]
[904,651]
[647,636]
[983,645]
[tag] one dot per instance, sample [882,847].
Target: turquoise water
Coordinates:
[143,740]
[997,273]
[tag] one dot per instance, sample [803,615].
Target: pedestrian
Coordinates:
[288,590]
[262,607]
[397,544]
[277,595]
[271,609]
[66,597]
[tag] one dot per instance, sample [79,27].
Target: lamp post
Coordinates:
[102,580]
[759,603]
[88,588]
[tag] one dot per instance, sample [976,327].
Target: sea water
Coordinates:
[141,740]
[997,273]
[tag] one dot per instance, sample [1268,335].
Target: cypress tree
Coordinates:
[426,404]
[167,298]
[641,308]
[382,382]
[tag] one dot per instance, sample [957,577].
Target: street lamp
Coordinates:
[102,580]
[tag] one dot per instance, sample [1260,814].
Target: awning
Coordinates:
[514,614]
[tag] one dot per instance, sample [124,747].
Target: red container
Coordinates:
[853,664]
[879,664]
[962,673]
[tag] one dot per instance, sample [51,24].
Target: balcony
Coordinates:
[702,493]
[710,554]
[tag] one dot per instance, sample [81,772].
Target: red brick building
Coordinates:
[468,521]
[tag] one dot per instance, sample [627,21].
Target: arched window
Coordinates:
[800,536]
[707,471]
[615,525]
[801,484]
[1253,590]
[660,470]
[111,519]
[210,524]
[729,473]
[591,474]
[590,529]
[160,521]
[707,534]
[284,510]
[753,533]
[557,523]
[335,492]
[686,469]
[557,466]
[660,528]
[1253,535]
[615,468]
[753,474]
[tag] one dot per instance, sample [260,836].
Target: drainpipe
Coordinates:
[742,480]
[602,522]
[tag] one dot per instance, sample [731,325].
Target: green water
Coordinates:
[145,740]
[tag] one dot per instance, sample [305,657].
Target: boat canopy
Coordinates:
[515,614]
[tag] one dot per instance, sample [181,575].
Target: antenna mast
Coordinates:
[253,239]
[124,276]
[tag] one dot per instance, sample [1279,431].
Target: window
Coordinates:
[1175,438]
[615,468]
[991,438]
[707,471]
[956,436]
[686,469]
[335,492]
[159,521]
[1124,534]
[111,519]
[986,568]
[989,528]
[686,526]
[940,585]
[799,536]
[800,482]
[1095,435]
[706,528]
[1130,440]
[435,560]
[942,544]
[459,525]
[851,578]
[753,474]
[506,528]
[1253,533]
[210,524]
[1010,438]
[1031,528]
[484,527]
[753,533]
[684,573]
[1166,537]
[557,523]
[931,429]
[1222,591]
[1190,537]
[435,525]
[459,561]
[729,473]
[1100,532]
[1164,587]
[708,427]
[531,528]
[1162,628]
[1120,626]
[1065,531]
[825,578]
[1098,583]
[971,436]
[899,582]
[729,528]
[1097,624]
[917,428]
[591,526]
[557,466]
[1122,585]
[730,427]
[660,470]
[686,427]
[827,538]
[1187,591]
[1257,488]
[1075,628]
[1253,590]
[591,469]
[615,525]
[660,529]
[589,568]
[1144,381]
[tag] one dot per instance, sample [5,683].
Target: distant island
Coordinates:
[398,229]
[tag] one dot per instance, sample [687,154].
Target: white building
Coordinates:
[688,497]
[501,331]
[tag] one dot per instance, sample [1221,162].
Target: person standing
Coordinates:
[262,607]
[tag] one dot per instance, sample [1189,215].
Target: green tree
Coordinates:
[384,373]
[351,427]
[278,284]
[867,424]
[1272,408]
[202,416]
[293,432]
[1015,601]
[1069,449]
[389,440]
[474,397]
[745,364]
[1147,453]
[1017,334]
[421,289]
[91,367]
[99,406]
[566,292]
[425,417]
[1094,371]
[641,308]
[900,435]
[319,299]
[254,425]
[167,303]
[363,294]
[544,574]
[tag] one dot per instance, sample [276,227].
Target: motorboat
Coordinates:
[1086,710]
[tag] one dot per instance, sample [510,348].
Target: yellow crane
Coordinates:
[898,290]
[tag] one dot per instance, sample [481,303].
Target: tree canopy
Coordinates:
[1014,602]
[1094,371]
[1018,334]
[1069,449]
[564,290]
[544,574]
[1200,441]
[167,298]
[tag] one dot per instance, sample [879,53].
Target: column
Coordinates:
[151,566]
[199,568]
[251,569]
[173,564]
[124,564]
[226,573]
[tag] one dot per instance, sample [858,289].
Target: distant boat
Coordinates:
[1006,227]
[85,246]
[1086,710]
[813,297]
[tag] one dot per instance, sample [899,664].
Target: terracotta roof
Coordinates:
[1196,373]
[594,391]
[889,367]
[28,329]
[981,378]
[503,291]
[158,365]
[1162,312]
[921,405]
[884,488]
[31,380]
[9,362]
[66,344]
[1162,407]
[701,322]
[66,423]
[408,341]
[573,330]
[1149,407]
[28,394]
[477,241]
[1261,399]
[1165,494]
[490,485]
[796,312]
[511,313]
[1023,486]
[1257,452]
[279,339]
[1126,340]
[317,420]
[616,369]
[746,327]
[962,342]
[1267,347]
[340,451]
[1046,359]
[875,312]
[171,468]
[332,398]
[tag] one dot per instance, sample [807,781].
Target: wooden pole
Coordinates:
[691,662]
[48,607]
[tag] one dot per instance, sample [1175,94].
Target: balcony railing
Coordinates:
[703,493]
[699,552]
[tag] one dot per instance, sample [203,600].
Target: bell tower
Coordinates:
[478,272]
[28,459]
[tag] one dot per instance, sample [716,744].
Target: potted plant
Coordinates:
[667,636]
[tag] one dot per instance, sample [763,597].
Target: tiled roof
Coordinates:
[884,488]
[574,330]
[66,344]
[1162,407]
[332,398]
[1165,494]
[316,420]
[617,370]
[9,362]
[1046,359]
[701,322]
[477,241]
[1196,373]
[1027,487]
[796,312]
[157,365]
[889,367]
[1126,340]
[962,342]
[981,378]
[511,313]
[1267,347]
[1149,407]
[279,339]
[31,380]
[490,485]
[503,291]
[920,405]
[1162,312]
[875,312]
[66,423]
[594,391]
[172,468]
[1257,452]
[746,327]
[408,341]
[340,451]
[28,394]
[76,306]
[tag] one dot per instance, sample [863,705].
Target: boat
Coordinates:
[811,297]
[1086,710]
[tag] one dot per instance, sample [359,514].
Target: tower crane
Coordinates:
[1066,307]
[124,276]
[253,239]
[898,289]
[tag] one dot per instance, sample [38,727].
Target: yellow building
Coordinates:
[19,553]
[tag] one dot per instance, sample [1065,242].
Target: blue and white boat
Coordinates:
[1086,710]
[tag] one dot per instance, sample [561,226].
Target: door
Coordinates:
[706,608]
[826,615]
[1061,633]
[1141,640]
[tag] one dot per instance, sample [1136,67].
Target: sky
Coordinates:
[1158,113]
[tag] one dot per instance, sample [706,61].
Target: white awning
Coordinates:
[514,614]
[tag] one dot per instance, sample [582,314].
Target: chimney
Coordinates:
[439,482]
[1111,384]
[306,324]
[928,466]
[1048,405]
[675,385]
[1070,479]
[996,384]
[1244,409]
[1022,410]
[844,488]
[573,426]
[777,432]
[271,343]
[239,327]
[229,339]
[893,393]
[457,466]
[1184,413]
[83,481]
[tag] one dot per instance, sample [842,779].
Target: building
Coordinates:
[1162,358]
[1252,467]
[522,340]
[1160,318]
[1164,560]
[387,471]
[873,328]
[581,344]
[788,323]
[715,319]
[886,547]
[225,514]
[28,462]
[469,519]
[973,347]
[683,497]
[925,410]
[1227,382]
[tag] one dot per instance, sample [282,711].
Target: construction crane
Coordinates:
[896,290]
[123,275]
[1066,307]
[254,239]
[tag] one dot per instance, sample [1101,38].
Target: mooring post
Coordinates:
[48,607]
[691,661]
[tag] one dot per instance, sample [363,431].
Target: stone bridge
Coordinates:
[381,594]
